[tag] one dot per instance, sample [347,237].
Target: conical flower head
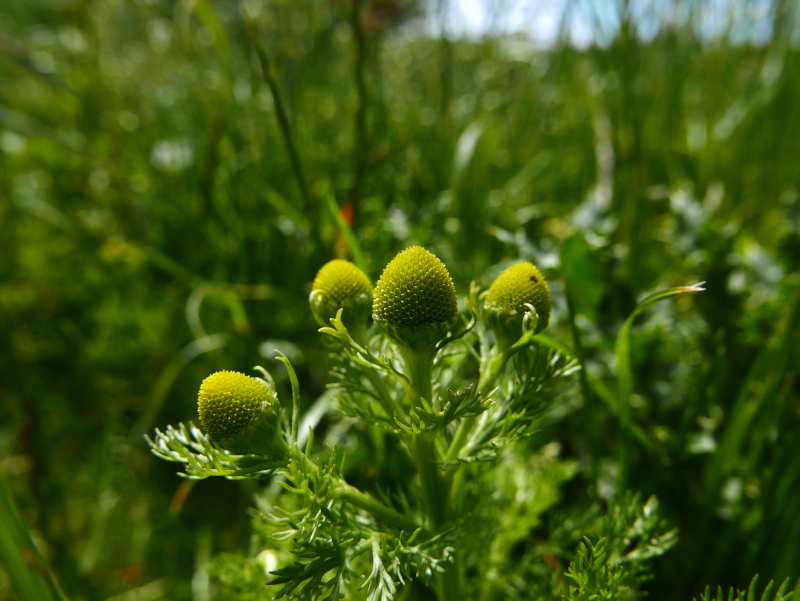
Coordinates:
[341,285]
[241,414]
[415,299]
[517,286]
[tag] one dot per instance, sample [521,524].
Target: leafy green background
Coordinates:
[153,230]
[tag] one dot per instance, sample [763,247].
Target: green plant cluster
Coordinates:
[158,225]
[430,531]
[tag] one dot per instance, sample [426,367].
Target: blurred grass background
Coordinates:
[154,229]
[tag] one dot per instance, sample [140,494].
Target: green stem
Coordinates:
[375,508]
[383,394]
[490,369]
[435,493]
[419,366]
[358,332]
[432,485]
[460,439]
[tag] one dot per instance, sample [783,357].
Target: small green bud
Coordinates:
[341,285]
[241,414]
[415,299]
[517,286]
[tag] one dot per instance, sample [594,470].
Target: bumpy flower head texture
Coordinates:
[341,285]
[241,414]
[415,299]
[517,286]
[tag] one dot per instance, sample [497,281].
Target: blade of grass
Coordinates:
[284,207]
[295,396]
[622,348]
[598,388]
[26,568]
[280,108]
[347,234]
[360,120]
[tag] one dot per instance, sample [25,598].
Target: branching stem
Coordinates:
[358,332]
[383,394]
[375,508]
[419,366]
[490,368]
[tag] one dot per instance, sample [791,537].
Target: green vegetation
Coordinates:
[173,175]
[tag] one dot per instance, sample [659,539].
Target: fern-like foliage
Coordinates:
[359,355]
[635,532]
[189,446]
[336,545]
[518,404]
[464,403]
[595,578]
[242,578]
[751,594]
[631,534]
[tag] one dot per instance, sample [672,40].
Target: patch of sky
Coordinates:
[583,23]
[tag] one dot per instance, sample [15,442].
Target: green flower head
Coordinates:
[341,285]
[241,414]
[415,299]
[517,286]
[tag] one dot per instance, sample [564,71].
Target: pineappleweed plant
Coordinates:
[449,530]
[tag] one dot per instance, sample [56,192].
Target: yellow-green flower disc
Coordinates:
[415,289]
[415,299]
[240,413]
[517,286]
[341,285]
